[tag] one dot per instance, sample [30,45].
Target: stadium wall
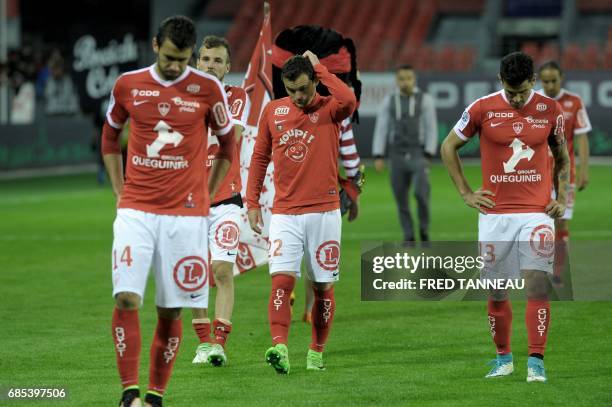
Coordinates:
[55,141]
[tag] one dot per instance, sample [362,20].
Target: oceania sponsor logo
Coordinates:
[278,300]
[186,105]
[120,338]
[171,347]
[542,312]
[531,120]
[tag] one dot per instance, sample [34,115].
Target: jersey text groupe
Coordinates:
[168,123]
[514,148]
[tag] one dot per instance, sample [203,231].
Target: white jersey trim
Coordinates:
[230,124]
[460,134]
[166,83]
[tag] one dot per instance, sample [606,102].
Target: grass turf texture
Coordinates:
[55,240]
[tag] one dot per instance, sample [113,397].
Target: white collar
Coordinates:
[164,82]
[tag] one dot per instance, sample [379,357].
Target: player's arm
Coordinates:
[344,100]
[450,157]
[556,141]
[583,153]
[222,127]
[111,154]
[381,133]
[257,173]
[116,116]
[581,135]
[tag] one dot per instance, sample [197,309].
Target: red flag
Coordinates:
[253,248]
[258,79]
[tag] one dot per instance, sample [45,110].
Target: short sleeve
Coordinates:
[240,107]
[582,123]
[558,129]
[219,117]
[469,123]
[116,114]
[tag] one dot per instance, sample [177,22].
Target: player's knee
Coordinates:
[168,313]
[127,301]
[537,285]
[561,224]
[498,295]
[223,272]
[322,287]
[199,313]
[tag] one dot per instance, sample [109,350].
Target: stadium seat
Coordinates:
[571,57]
[594,6]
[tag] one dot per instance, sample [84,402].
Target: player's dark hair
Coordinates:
[404,67]
[296,66]
[516,68]
[551,65]
[212,41]
[180,30]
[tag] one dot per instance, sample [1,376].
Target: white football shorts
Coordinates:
[176,247]
[223,232]
[513,242]
[316,234]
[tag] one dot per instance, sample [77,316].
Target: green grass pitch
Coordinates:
[56,305]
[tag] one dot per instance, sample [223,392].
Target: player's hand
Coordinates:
[555,209]
[583,181]
[311,57]
[379,164]
[478,200]
[353,210]
[255,220]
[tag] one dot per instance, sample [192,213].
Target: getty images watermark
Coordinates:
[473,270]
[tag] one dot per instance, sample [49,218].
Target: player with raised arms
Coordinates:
[300,135]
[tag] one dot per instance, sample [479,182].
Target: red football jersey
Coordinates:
[576,122]
[239,108]
[303,145]
[514,148]
[168,138]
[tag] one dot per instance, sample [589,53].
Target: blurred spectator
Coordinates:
[60,93]
[23,99]
[44,72]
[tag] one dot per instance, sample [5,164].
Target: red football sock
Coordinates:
[561,249]
[537,319]
[164,349]
[202,329]
[126,335]
[500,323]
[322,317]
[279,308]
[222,330]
